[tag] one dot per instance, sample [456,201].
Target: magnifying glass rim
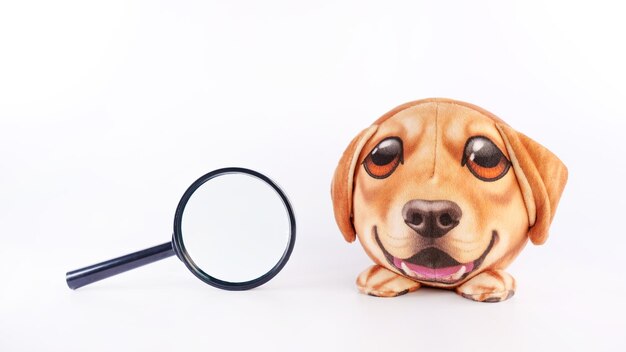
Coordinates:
[179,245]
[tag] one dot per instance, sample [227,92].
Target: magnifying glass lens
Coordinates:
[234,227]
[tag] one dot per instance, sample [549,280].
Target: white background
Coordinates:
[109,110]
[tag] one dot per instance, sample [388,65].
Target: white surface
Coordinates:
[109,111]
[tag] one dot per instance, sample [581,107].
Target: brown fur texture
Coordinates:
[436,172]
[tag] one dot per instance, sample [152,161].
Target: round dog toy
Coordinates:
[444,194]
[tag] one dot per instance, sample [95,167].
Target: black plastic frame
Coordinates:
[179,245]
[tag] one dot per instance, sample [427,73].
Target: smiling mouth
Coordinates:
[434,265]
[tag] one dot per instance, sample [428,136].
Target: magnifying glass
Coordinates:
[234,229]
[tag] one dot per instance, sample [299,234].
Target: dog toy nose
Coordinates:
[431,218]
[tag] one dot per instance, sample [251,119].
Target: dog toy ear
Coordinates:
[343,183]
[541,176]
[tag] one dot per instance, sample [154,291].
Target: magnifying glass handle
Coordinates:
[85,276]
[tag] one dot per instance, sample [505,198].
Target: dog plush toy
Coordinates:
[444,194]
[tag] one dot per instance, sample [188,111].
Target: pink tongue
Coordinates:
[433,273]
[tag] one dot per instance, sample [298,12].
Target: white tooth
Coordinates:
[407,270]
[459,273]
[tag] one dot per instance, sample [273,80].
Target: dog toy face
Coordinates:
[444,194]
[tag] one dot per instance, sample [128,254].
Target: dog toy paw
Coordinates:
[488,286]
[381,282]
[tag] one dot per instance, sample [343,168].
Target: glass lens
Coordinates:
[235,227]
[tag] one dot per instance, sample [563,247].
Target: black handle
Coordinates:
[85,276]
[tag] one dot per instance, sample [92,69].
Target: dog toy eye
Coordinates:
[484,159]
[384,158]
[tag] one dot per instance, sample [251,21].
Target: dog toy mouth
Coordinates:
[434,265]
